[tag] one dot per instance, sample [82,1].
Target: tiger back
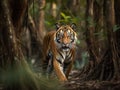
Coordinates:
[59,51]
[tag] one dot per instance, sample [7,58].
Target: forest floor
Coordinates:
[75,84]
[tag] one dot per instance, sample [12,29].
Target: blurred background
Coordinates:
[23,24]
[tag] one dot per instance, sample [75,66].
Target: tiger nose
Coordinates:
[65,44]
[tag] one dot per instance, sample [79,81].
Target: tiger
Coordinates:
[59,49]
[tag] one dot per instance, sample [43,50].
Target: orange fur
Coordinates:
[49,45]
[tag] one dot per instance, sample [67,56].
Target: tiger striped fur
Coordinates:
[59,51]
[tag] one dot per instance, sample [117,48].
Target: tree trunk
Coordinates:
[73,6]
[117,19]
[41,30]
[15,73]
[17,9]
[109,56]
[90,33]
[110,24]
[98,19]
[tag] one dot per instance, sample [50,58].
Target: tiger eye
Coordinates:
[68,31]
[61,32]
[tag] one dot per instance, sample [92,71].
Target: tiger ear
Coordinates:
[73,26]
[57,25]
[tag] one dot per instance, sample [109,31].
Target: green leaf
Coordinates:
[115,28]
[63,15]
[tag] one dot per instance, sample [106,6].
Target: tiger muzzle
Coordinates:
[65,46]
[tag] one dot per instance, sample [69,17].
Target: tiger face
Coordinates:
[65,37]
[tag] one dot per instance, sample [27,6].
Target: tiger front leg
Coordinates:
[47,64]
[68,69]
[59,71]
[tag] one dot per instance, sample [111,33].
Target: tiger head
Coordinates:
[65,37]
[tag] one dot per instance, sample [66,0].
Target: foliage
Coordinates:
[116,28]
[20,78]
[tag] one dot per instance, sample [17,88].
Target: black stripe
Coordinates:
[72,41]
[66,64]
[58,40]
[69,56]
[60,54]
[59,61]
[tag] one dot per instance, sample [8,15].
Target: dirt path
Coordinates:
[75,84]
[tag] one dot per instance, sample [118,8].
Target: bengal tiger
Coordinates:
[59,51]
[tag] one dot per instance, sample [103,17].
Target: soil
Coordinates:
[75,83]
